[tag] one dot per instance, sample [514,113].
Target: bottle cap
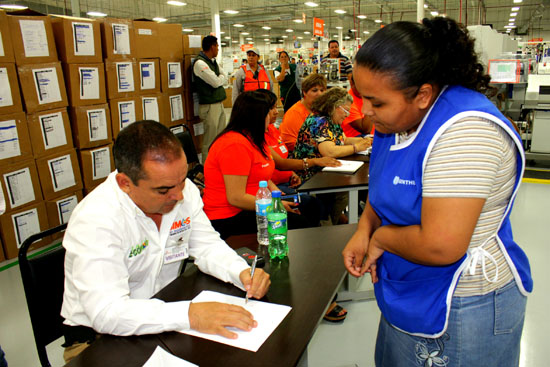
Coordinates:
[263,183]
[275,194]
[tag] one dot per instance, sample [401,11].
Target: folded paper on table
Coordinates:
[346,167]
[161,358]
[366,151]
[268,316]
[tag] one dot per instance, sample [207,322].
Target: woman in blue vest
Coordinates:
[435,235]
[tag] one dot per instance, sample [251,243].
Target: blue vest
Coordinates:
[417,298]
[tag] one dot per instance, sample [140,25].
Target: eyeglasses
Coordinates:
[345,111]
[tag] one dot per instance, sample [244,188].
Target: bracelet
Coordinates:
[306,164]
[354,148]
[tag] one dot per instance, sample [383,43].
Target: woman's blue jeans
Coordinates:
[483,331]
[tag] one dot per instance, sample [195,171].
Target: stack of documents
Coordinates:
[346,167]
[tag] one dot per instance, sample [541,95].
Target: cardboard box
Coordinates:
[43,86]
[170,36]
[17,226]
[147,39]
[188,75]
[2,256]
[124,111]
[32,39]
[59,174]
[20,184]
[175,110]
[91,125]
[154,107]
[117,38]
[191,104]
[192,44]
[10,96]
[60,209]
[196,127]
[171,75]
[6,47]
[15,143]
[50,132]
[88,190]
[122,78]
[149,76]
[85,84]
[228,101]
[78,40]
[96,164]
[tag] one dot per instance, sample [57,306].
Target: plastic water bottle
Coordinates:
[277,228]
[263,201]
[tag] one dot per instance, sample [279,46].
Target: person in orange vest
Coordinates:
[251,76]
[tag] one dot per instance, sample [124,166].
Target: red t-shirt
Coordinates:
[292,122]
[232,154]
[274,140]
[354,114]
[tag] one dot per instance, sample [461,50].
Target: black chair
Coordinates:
[43,281]
[196,170]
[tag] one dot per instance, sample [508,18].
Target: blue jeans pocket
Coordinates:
[509,309]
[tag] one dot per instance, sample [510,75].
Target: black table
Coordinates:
[306,281]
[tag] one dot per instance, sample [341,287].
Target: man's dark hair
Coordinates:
[144,139]
[208,42]
[333,41]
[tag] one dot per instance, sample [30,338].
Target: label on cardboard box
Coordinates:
[150,108]
[176,107]
[176,129]
[89,83]
[174,75]
[65,208]
[25,224]
[198,128]
[61,172]
[194,41]
[97,124]
[35,40]
[9,140]
[196,103]
[47,85]
[19,186]
[1,46]
[147,74]
[126,113]
[83,39]
[145,31]
[53,131]
[5,88]
[121,39]
[101,163]
[125,77]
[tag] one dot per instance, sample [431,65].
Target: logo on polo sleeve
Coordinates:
[138,249]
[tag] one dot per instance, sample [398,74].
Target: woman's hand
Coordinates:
[290,207]
[373,254]
[354,253]
[295,180]
[325,162]
[363,144]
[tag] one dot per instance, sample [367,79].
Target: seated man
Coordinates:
[127,240]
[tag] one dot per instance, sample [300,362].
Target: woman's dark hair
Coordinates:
[438,51]
[283,52]
[272,97]
[248,118]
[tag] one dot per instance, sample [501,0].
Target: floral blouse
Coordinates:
[315,130]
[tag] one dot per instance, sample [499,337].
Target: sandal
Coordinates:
[335,313]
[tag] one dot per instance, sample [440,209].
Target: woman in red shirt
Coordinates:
[237,161]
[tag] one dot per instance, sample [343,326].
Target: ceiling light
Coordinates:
[297,20]
[358,39]
[362,16]
[284,36]
[265,35]
[227,37]
[249,38]
[266,27]
[334,36]
[300,38]
[266,39]
[339,27]
[307,32]
[234,41]
[251,42]
[425,6]
[518,1]
[159,19]
[366,32]
[512,23]
[309,3]
[443,15]
[434,13]
[245,33]
[515,8]
[512,19]
[340,11]
[238,25]
[96,14]
[229,11]
[289,30]
[377,21]
[222,32]
[509,26]
[347,37]
[187,30]
[513,14]
[353,30]
[176,3]
[13,7]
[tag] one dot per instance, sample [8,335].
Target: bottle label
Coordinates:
[276,224]
[261,208]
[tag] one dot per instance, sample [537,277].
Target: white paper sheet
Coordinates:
[101,163]
[176,107]
[176,129]
[365,152]
[174,75]
[89,83]
[53,131]
[35,41]
[198,128]
[194,41]
[161,358]
[47,85]
[2,53]
[268,316]
[61,172]
[121,39]
[126,113]
[83,39]
[145,32]
[97,124]
[19,187]
[147,74]
[65,208]
[125,77]
[5,88]
[346,167]
[150,108]
[25,224]
[9,139]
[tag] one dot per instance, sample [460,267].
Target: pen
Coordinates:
[251,275]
